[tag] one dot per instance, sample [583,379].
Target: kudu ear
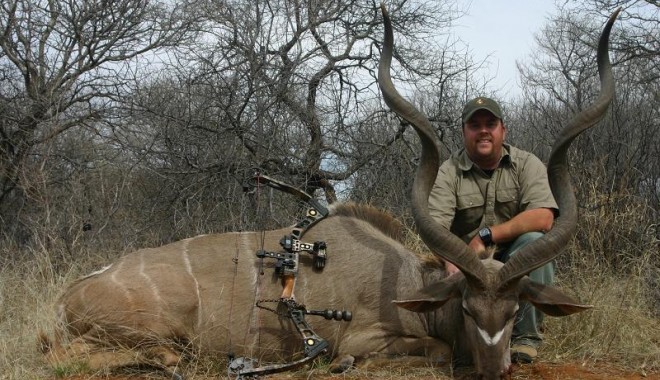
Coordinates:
[549,299]
[434,295]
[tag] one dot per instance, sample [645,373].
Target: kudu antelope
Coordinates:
[489,291]
[200,293]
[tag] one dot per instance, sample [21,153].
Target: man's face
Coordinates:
[483,136]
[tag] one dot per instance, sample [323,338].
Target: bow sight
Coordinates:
[286,267]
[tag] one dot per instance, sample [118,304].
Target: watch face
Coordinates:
[485,236]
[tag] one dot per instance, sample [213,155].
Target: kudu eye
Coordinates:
[466,311]
[512,315]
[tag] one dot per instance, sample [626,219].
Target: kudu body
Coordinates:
[201,292]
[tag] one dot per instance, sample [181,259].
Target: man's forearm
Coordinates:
[539,219]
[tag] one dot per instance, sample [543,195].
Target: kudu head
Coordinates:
[490,291]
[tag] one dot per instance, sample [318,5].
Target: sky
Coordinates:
[504,29]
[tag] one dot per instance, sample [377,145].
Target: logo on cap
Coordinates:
[479,103]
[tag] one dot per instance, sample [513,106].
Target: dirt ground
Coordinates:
[540,370]
[547,371]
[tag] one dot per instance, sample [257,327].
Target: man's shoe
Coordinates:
[523,353]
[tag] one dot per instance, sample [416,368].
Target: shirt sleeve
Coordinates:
[535,188]
[442,200]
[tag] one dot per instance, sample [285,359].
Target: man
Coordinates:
[492,194]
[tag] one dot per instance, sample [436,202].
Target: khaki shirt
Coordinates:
[465,199]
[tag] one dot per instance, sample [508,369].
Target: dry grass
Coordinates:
[623,326]
[28,289]
[612,264]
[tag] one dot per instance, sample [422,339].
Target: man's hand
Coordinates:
[450,268]
[477,245]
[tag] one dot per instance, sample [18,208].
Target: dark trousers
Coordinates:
[526,329]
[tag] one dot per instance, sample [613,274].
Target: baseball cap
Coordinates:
[481,103]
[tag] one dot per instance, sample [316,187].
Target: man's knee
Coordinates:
[523,240]
[515,246]
[544,274]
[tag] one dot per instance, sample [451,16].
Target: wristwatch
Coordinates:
[486,236]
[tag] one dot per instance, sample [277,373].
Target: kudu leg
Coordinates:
[379,350]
